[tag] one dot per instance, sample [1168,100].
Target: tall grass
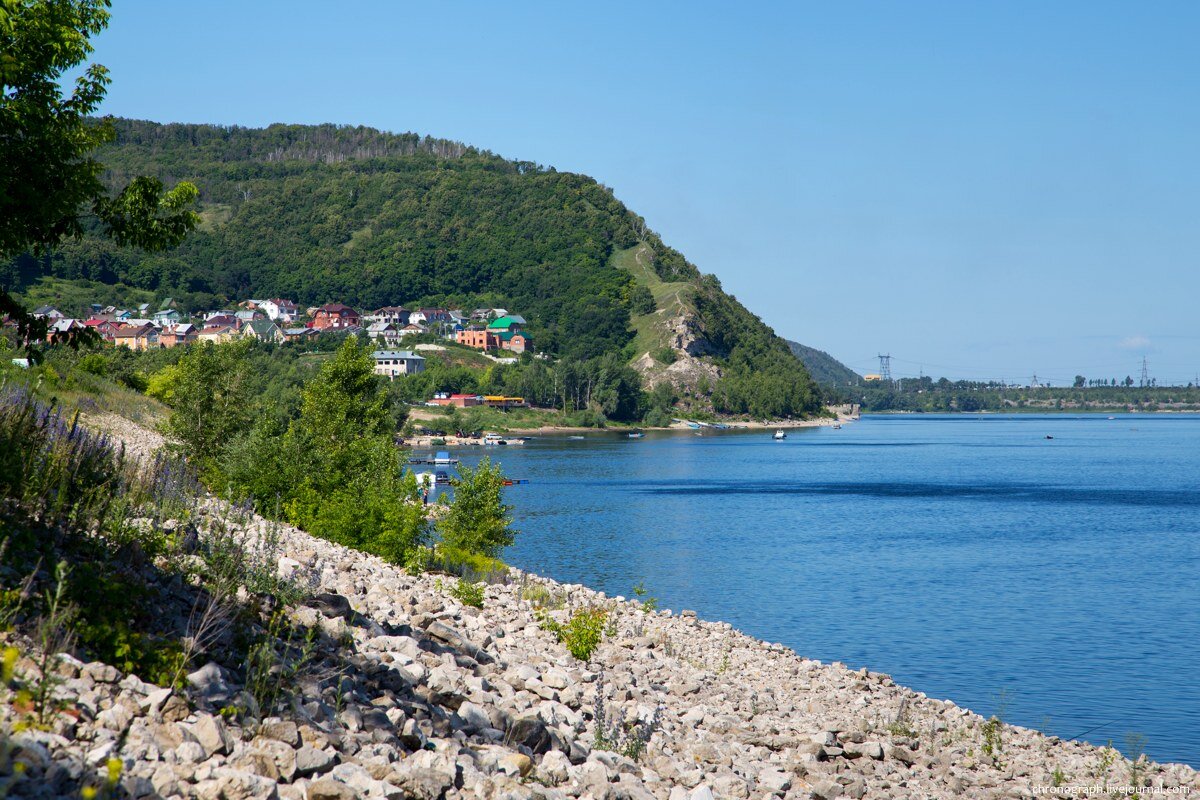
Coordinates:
[61,472]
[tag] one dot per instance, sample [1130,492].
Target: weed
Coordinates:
[582,632]
[1058,778]
[468,593]
[275,663]
[901,724]
[1107,757]
[612,731]
[1135,746]
[993,732]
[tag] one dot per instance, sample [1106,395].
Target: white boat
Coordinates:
[635,435]
[780,436]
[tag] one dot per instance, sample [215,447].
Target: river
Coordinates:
[1055,581]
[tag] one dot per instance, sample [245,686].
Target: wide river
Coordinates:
[1056,581]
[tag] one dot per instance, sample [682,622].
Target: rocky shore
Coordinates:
[436,699]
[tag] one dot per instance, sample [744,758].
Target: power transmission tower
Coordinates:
[1145,379]
[885,367]
[1033,383]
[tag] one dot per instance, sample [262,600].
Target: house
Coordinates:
[250,305]
[335,316]
[107,328]
[61,328]
[508,322]
[394,315]
[217,334]
[458,400]
[47,312]
[514,341]
[167,316]
[247,315]
[137,337]
[478,338]
[384,331]
[412,329]
[278,309]
[143,309]
[263,330]
[397,362]
[179,334]
[221,319]
[300,334]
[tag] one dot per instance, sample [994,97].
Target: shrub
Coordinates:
[469,593]
[582,632]
[478,520]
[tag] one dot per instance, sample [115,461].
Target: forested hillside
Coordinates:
[824,368]
[327,213]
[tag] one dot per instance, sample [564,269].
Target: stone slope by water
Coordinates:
[443,700]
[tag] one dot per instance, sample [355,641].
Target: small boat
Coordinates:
[837,427]
[515,481]
[443,457]
[577,438]
[1048,436]
[694,425]
[635,435]
[517,440]
[779,436]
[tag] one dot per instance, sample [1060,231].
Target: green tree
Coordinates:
[478,521]
[212,398]
[50,186]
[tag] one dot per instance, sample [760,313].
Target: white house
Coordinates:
[383,331]
[278,309]
[394,315]
[397,362]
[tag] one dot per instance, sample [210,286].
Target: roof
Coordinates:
[337,308]
[298,331]
[380,326]
[390,309]
[184,328]
[406,354]
[507,321]
[508,335]
[216,330]
[134,331]
[261,327]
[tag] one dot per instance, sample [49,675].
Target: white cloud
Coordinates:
[1138,342]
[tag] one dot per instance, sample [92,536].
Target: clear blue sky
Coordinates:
[982,189]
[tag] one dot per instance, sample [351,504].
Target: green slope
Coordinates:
[324,213]
[824,368]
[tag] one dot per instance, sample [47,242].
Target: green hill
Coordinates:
[333,213]
[824,368]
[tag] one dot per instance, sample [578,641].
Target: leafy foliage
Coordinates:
[49,138]
[478,520]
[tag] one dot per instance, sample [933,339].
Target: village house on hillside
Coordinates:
[397,362]
[300,334]
[47,312]
[262,330]
[218,334]
[384,332]
[335,316]
[278,309]
[391,315]
[176,335]
[137,337]
[506,332]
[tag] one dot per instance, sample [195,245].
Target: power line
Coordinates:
[885,367]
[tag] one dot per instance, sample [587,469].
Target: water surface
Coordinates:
[966,556]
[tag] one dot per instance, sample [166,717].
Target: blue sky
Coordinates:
[981,189]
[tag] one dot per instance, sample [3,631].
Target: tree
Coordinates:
[212,398]
[50,186]
[478,520]
[1080,381]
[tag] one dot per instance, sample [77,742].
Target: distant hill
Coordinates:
[321,213]
[824,368]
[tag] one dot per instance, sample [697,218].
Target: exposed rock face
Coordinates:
[440,700]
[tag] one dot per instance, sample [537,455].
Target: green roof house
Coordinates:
[509,322]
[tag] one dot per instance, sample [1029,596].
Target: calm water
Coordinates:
[965,556]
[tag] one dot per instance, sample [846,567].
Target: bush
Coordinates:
[469,593]
[582,633]
[478,520]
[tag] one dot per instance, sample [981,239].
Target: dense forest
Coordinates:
[824,368]
[332,213]
[943,395]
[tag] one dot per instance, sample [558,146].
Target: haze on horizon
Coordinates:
[982,190]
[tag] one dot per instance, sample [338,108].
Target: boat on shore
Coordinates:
[494,440]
